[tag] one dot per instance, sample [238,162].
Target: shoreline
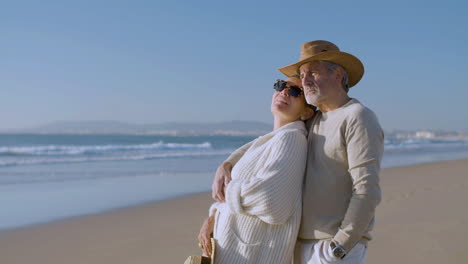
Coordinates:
[421,217]
[103,212]
[205,180]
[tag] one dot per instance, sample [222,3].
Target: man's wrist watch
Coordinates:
[338,251]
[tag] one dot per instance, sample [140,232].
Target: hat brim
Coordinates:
[353,66]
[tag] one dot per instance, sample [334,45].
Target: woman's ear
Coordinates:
[307,113]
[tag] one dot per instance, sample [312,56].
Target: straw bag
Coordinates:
[203,259]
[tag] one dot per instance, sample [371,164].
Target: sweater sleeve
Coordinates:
[214,207]
[238,153]
[365,145]
[272,193]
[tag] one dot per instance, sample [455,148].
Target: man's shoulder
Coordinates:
[356,107]
[360,117]
[357,110]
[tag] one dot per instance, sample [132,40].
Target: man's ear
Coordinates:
[339,73]
[307,113]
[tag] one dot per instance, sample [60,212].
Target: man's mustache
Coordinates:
[312,87]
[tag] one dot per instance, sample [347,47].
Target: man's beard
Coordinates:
[311,93]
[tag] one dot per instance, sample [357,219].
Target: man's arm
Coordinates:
[365,145]
[238,153]
[223,173]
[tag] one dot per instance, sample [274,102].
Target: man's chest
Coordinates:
[327,140]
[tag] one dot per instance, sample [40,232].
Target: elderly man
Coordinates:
[345,148]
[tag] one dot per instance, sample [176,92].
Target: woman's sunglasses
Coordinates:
[293,90]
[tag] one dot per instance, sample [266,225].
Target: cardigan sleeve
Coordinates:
[364,146]
[214,207]
[238,153]
[233,159]
[272,194]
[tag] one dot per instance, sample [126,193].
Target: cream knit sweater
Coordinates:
[260,220]
[341,187]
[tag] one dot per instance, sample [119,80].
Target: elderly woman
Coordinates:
[259,220]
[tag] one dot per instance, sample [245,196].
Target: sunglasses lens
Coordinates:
[279,85]
[295,91]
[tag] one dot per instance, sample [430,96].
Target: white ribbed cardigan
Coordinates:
[260,220]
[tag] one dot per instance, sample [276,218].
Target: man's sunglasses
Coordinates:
[293,90]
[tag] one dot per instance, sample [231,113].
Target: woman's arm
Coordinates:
[223,173]
[206,233]
[238,153]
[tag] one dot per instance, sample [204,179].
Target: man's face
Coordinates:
[319,84]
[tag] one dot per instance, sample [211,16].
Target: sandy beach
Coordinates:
[422,219]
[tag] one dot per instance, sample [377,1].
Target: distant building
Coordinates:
[424,134]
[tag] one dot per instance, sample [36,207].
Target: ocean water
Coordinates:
[51,177]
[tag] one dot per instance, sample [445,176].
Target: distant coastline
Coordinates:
[228,128]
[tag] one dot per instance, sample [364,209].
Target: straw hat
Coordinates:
[321,50]
[203,259]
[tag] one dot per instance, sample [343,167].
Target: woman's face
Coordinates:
[287,106]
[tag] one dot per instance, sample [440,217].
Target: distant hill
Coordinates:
[171,128]
[233,128]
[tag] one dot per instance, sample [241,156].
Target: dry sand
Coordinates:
[422,219]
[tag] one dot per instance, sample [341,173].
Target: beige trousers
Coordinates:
[319,252]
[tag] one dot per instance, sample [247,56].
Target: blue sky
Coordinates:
[205,61]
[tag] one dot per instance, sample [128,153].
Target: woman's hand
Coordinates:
[204,237]
[221,180]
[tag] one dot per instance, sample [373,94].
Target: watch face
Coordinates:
[338,252]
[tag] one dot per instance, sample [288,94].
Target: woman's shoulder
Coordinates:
[294,133]
[292,129]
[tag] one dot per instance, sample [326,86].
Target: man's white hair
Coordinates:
[333,66]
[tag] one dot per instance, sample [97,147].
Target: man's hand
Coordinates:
[204,237]
[221,180]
